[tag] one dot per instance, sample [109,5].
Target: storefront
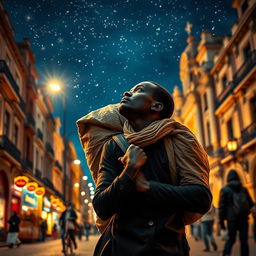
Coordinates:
[30,219]
[4,193]
[47,214]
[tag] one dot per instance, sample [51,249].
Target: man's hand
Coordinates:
[142,185]
[133,160]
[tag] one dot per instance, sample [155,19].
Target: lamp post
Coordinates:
[55,86]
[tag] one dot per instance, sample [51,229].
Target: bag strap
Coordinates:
[121,141]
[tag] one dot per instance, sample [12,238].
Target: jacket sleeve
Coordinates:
[112,184]
[193,198]
[223,203]
[250,201]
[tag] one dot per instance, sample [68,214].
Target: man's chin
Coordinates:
[123,109]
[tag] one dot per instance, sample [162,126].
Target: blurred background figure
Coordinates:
[13,233]
[43,230]
[234,206]
[197,233]
[54,231]
[207,222]
[87,227]
[80,232]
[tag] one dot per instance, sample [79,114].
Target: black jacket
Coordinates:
[14,222]
[62,220]
[226,210]
[139,225]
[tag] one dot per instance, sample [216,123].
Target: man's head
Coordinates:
[147,99]
[69,205]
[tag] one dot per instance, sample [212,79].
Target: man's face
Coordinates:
[138,100]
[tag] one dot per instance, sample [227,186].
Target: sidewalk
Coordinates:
[198,246]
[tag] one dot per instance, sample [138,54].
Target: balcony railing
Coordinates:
[49,148]
[27,165]
[48,183]
[57,164]
[38,173]
[238,77]
[5,70]
[245,68]
[249,133]
[7,145]
[31,120]
[39,134]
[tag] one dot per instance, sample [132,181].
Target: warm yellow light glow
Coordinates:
[76,185]
[44,215]
[82,193]
[86,201]
[232,145]
[90,184]
[85,178]
[77,162]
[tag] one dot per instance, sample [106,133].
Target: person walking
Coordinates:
[43,230]
[146,189]
[87,227]
[207,229]
[234,207]
[13,233]
[68,224]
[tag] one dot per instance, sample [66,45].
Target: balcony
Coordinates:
[48,183]
[57,164]
[9,147]
[4,69]
[38,174]
[49,148]
[238,77]
[249,133]
[31,120]
[27,165]
[39,134]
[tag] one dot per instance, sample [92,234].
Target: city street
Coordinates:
[50,248]
[53,248]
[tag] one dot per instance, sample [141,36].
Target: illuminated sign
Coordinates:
[40,191]
[47,205]
[29,199]
[20,181]
[32,186]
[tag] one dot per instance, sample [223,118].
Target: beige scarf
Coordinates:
[188,163]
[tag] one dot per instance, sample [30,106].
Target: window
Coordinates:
[6,123]
[17,79]
[230,129]
[253,108]
[37,159]
[205,101]
[208,133]
[244,6]
[224,81]
[247,52]
[16,134]
[8,60]
[28,148]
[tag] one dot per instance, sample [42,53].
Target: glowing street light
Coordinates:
[76,185]
[85,178]
[54,85]
[90,184]
[82,193]
[77,162]
[86,201]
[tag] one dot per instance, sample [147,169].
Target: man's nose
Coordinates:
[127,94]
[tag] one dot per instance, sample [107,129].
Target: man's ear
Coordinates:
[157,106]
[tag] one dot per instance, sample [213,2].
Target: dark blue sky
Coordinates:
[102,48]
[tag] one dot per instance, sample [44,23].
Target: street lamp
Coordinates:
[77,162]
[232,145]
[55,86]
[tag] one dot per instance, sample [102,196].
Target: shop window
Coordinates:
[247,52]
[16,134]
[253,108]
[230,129]
[6,123]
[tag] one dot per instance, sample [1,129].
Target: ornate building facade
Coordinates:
[218,98]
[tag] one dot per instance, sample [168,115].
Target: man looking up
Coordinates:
[163,174]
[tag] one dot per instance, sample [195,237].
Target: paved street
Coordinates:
[49,248]
[53,248]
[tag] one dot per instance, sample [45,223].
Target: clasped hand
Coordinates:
[133,160]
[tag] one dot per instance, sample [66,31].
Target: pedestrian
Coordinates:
[80,232]
[54,231]
[13,233]
[197,230]
[68,225]
[207,222]
[137,186]
[234,207]
[43,230]
[87,227]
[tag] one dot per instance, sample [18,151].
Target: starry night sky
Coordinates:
[102,48]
